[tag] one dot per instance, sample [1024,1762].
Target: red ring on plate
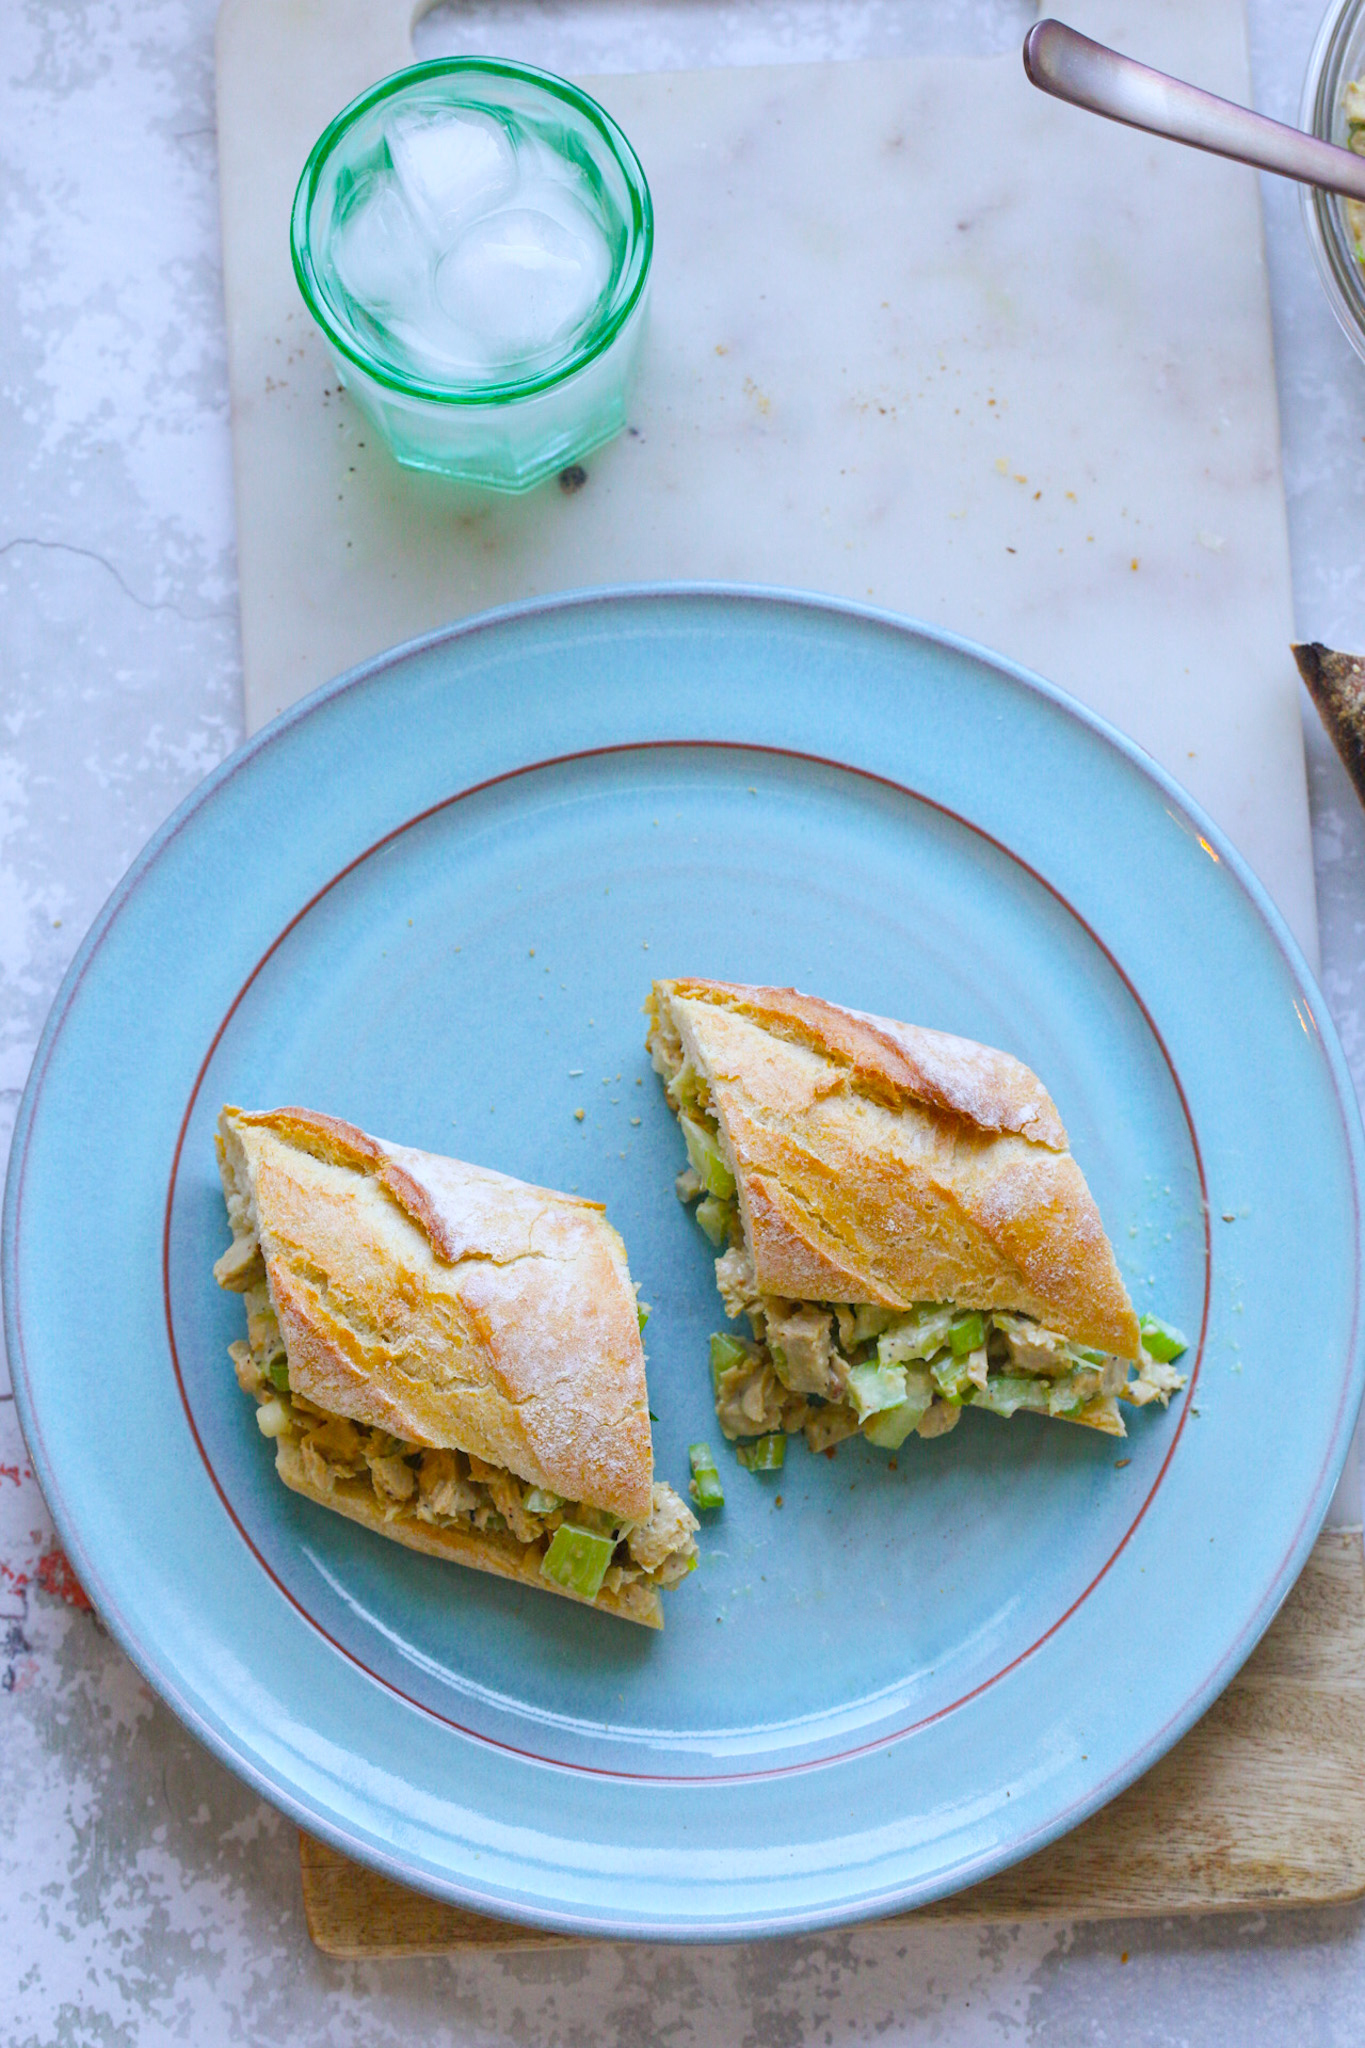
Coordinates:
[714,746]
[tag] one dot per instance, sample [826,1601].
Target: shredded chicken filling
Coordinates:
[446,1487]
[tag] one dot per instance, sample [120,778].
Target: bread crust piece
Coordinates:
[879,1162]
[503,1556]
[446,1303]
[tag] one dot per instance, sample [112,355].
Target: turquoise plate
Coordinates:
[431,899]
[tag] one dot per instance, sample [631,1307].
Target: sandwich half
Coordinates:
[450,1357]
[899,1217]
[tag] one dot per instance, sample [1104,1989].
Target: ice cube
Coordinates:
[525,279]
[452,166]
[377,250]
[438,351]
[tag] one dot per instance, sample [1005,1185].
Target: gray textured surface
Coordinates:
[146,1897]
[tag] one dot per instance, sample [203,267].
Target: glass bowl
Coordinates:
[1338,57]
[506,421]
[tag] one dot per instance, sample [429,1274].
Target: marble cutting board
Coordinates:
[920,336]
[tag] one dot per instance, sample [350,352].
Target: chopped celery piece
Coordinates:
[577,1560]
[869,1321]
[705,1489]
[764,1454]
[714,1218]
[725,1353]
[642,1315]
[919,1334]
[704,1153]
[272,1418]
[889,1429]
[685,1087]
[968,1333]
[1161,1341]
[277,1372]
[876,1387]
[540,1501]
[1004,1392]
[952,1377]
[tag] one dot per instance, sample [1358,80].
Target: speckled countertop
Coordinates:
[145,1895]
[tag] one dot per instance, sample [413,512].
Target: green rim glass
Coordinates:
[600,336]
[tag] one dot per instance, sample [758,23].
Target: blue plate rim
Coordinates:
[1320,1027]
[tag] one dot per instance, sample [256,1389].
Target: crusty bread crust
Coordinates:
[501,1555]
[446,1303]
[897,1063]
[878,1162]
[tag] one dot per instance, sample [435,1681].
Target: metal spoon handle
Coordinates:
[1088,74]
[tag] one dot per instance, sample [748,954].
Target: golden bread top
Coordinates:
[897,1063]
[449,1304]
[879,1162]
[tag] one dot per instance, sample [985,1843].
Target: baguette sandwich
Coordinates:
[449,1357]
[899,1216]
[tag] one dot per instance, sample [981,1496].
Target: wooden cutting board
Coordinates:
[919,335]
[1262,1804]
[922,338]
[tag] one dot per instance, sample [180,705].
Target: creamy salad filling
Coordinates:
[830,1370]
[1353,106]
[581,1548]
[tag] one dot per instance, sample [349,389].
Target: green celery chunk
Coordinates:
[277,1372]
[876,1387]
[714,1218]
[764,1454]
[889,1429]
[952,1377]
[540,1501]
[577,1560]
[968,1333]
[705,1489]
[704,1153]
[1004,1392]
[642,1315]
[919,1334]
[726,1352]
[1161,1341]
[869,1321]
